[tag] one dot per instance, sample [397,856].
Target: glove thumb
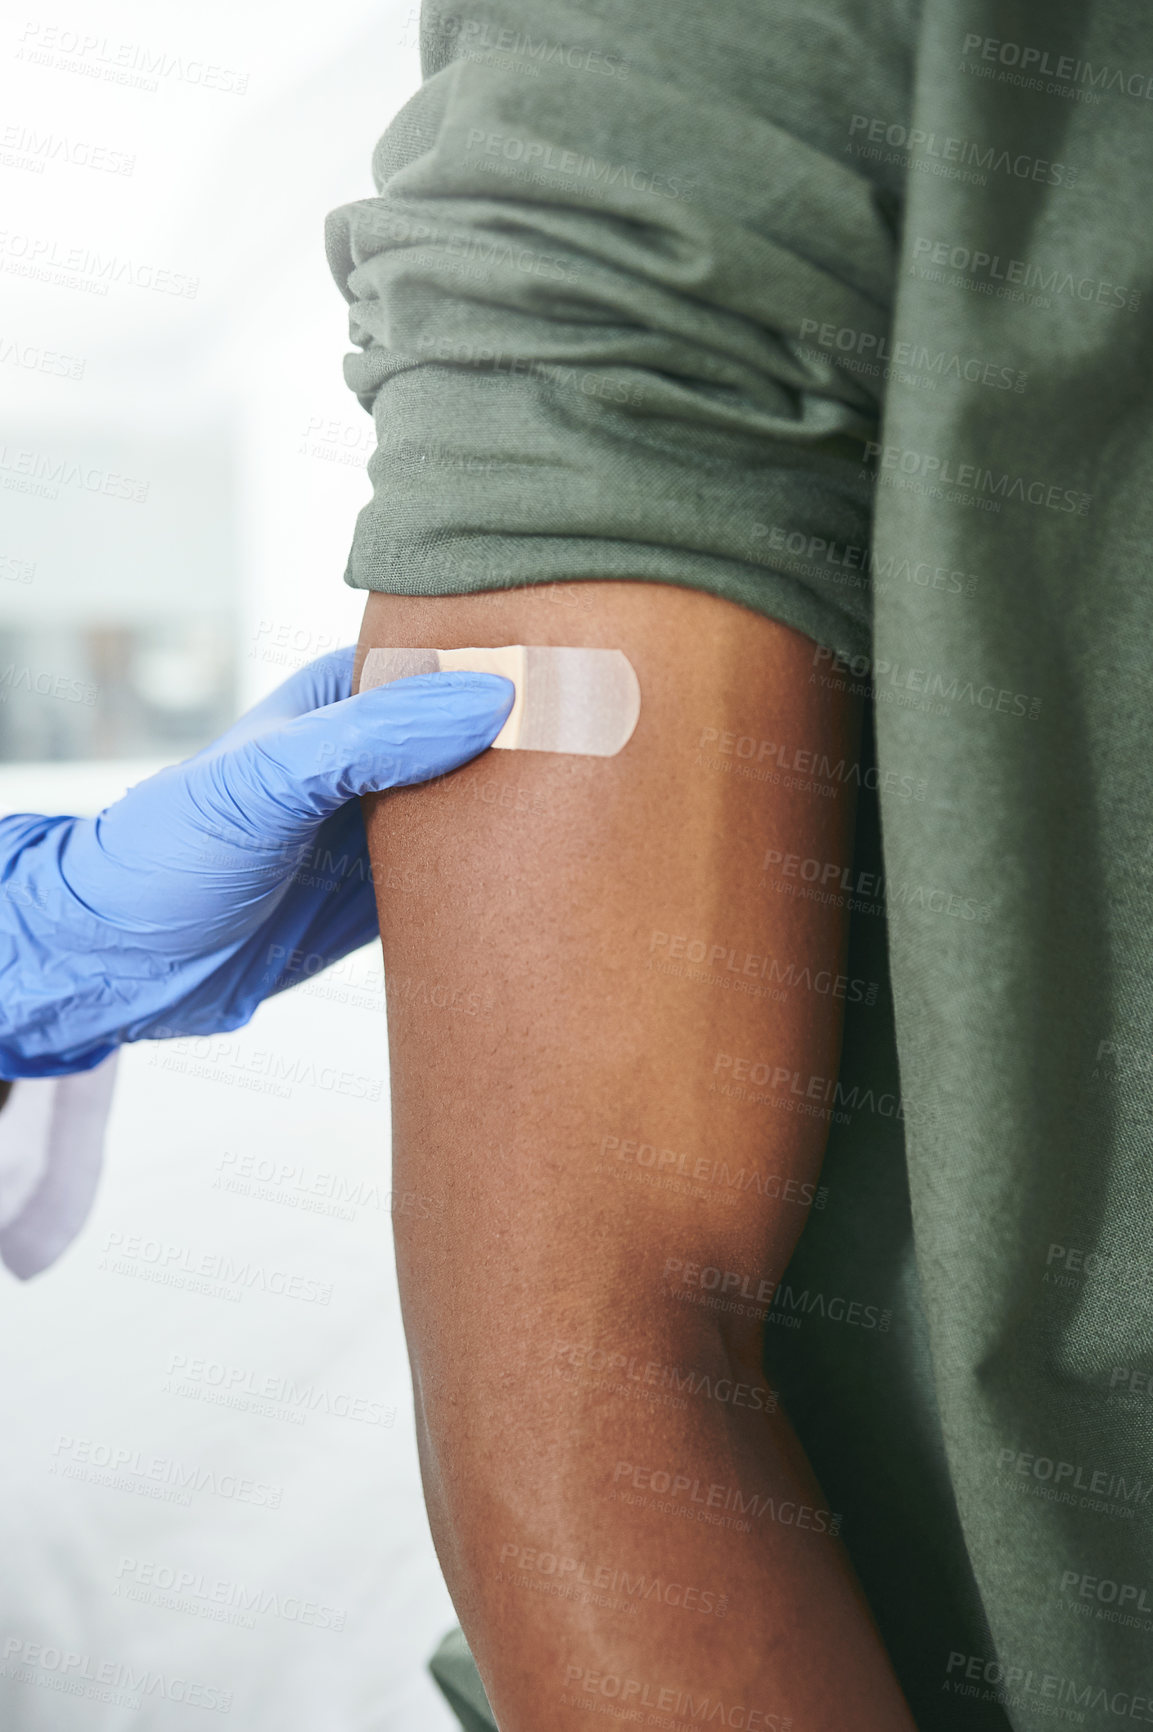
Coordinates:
[284,782]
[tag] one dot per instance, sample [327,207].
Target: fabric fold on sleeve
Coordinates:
[586,310]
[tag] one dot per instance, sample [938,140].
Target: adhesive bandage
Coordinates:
[585,701]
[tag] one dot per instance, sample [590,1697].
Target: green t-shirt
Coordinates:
[839,310]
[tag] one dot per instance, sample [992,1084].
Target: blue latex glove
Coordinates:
[177,910]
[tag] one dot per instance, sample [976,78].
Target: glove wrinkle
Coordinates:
[184,904]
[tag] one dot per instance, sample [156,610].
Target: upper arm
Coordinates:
[593,320]
[591,969]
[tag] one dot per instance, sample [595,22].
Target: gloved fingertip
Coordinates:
[494,687]
[457,694]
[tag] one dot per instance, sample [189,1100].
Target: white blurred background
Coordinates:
[180,468]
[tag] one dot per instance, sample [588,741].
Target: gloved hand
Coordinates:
[175,911]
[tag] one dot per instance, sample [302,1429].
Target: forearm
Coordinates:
[629,1520]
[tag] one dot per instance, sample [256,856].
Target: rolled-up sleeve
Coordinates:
[599,301]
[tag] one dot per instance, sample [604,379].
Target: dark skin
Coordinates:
[547,1020]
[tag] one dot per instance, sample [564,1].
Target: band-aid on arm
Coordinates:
[585,701]
[556,891]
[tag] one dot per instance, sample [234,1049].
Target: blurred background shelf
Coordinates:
[181,465]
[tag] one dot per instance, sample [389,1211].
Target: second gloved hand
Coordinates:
[179,908]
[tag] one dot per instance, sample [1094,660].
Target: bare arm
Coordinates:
[597,1017]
